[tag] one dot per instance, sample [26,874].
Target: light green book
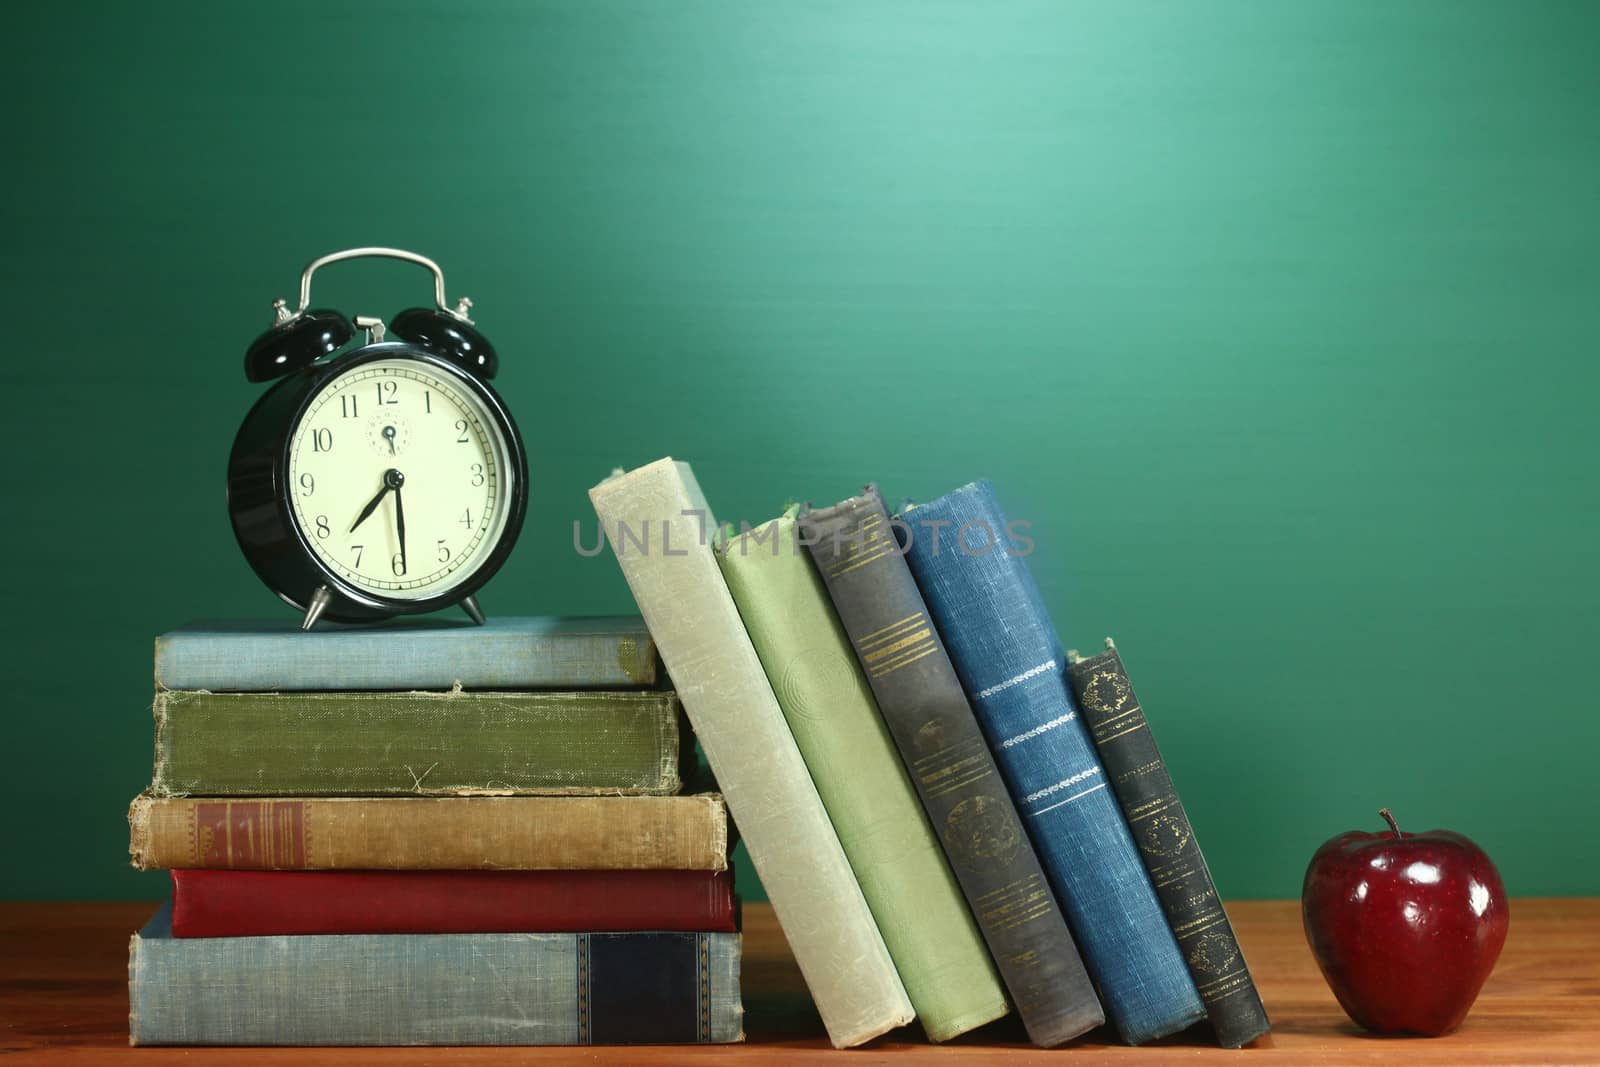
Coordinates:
[918,905]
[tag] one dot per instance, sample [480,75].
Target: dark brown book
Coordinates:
[1167,844]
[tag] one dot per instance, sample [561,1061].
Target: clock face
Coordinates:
[400,479]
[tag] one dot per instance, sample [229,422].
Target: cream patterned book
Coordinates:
[659,526]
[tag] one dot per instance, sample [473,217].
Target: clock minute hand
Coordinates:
[400,518]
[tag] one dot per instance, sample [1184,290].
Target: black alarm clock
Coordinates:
[380,479]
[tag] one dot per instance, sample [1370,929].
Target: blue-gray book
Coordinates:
[969,562]
[505,653]
[433,989]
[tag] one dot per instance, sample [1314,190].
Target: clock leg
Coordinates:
[319,603]
[470,606]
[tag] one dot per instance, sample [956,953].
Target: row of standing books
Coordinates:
[948,811]
[429,835]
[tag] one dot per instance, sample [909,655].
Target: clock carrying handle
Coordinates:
[299,338]
[459,312]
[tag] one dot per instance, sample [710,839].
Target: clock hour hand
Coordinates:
[372,505]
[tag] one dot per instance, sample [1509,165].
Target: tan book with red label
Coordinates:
[430,833]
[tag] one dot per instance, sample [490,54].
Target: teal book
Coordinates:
[927,714]
[505,653]
[422,744]
[993,621]
[433,989]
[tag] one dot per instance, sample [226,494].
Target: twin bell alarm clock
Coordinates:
[382,477]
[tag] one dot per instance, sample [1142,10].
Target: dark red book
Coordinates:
[209,903]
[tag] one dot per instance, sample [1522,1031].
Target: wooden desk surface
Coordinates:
[63,997]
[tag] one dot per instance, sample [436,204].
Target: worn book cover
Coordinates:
[940,745]
[453,743]
[659,527]
[430,833]
[992,617]
[1167,842]
[256,903]
[545,652]
[433,989]
[875,811]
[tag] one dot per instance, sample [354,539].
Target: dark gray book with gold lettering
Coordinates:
[932,724]
[1167,844]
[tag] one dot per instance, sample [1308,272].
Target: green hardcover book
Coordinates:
[908,885]
[430,744]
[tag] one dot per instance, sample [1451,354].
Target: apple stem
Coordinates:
[1388,817]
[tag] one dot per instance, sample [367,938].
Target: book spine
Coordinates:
[914,898]
[1167,843]
[537,653]
[993,621]
[705,649]
[927,714]
[430,833]
[434,989]
[258,903]
[440,744]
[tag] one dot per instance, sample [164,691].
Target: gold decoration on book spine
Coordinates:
[981,833]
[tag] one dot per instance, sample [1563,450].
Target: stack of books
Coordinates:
[951,815]
[429,834]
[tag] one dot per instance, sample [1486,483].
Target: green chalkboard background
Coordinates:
[1277,321]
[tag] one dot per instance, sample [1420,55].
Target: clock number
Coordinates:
[466,518]
[322,440]
[444,551]
[427,402]
[357,550]
[461,427]
[477,475]
[398,564]
[322,527]
[308,484]
[387,389]
[347,407]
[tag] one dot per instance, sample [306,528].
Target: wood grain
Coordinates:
[63,998]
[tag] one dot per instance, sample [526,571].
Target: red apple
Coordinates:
[1406,927]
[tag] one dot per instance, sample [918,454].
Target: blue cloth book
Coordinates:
[505,653]
[433,989]
[974,577]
